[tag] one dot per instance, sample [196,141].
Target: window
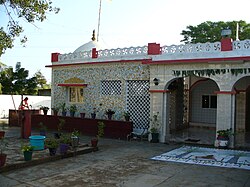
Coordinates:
[209,101]
[75,94]
[111,87]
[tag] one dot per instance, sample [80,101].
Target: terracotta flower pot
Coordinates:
[94,142]
[2,159]
[2,133]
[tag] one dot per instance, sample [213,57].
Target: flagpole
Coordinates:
[99,20]
[237,31]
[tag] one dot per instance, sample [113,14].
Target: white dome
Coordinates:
[88,47]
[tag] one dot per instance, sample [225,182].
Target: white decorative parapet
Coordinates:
[75,56]
[124,53]
[241,45]
[106,53]
[192,48]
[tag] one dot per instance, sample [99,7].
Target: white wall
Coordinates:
[7,103]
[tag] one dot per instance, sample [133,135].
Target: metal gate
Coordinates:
[138,103]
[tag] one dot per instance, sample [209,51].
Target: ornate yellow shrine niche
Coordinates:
[74,80]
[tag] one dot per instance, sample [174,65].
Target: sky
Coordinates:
[124,23]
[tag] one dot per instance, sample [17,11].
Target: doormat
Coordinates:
[208,156]
[192,140]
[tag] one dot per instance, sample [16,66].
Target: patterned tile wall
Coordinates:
[92,75]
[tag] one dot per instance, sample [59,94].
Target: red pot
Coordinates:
[2,159]
[2,133]
[94,142]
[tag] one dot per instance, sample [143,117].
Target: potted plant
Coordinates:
[154,128]
[64,109]
[45,109]
[75,138]
[126,115]
[3,156]
[60,125]
[109,113]
[72,110]
[27,151]
[100,133]
[55,110]
[93,114]
[82,114]
[223,137]
[52,144]
[65,141]
[2,132]
[43,129]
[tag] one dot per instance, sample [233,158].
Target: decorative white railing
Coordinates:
[75,56]
[192,48]
[123,52]
[106,53]
[241,45]
[142,51]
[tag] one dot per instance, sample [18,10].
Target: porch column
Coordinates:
[158,102]
[226,112]
[166,111]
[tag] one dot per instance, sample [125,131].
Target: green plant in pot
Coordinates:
[75,138]
[223,137]
[93,113]
[55,110]
[52,144]
[27,151]
[3,156]
[109,113]
[45,109]
[154,128]
[126,115]
[60,125]
[64,109]
[100,133]
[72,110]
[65,141]
[2,132]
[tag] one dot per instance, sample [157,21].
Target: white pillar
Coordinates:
[226,112]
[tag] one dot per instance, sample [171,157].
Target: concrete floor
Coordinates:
[206,136]
[123,163]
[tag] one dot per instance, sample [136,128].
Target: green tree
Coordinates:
[40,79]
[28,10]
[211,31]
[17,82]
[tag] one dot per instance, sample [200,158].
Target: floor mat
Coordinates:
[192,140]
[208,156]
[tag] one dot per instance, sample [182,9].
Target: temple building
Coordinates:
[197,89]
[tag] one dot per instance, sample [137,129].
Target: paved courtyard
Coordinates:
[121,163]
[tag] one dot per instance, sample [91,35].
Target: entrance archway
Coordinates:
[192,107]
[242,110]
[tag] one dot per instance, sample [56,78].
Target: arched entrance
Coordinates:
[192,107]
[242,111]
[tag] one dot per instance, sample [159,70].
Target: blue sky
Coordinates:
[124,23]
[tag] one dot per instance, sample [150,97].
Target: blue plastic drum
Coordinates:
[37,142]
